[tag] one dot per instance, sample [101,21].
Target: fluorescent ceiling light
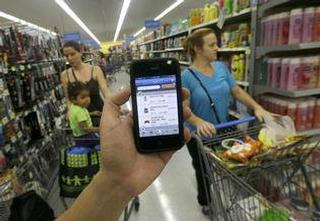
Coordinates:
[23,22]
[162,14]
[69,11]
[169,9]
[122,16]
[139,32]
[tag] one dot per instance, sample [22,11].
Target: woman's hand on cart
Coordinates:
[261,113]
[205,129]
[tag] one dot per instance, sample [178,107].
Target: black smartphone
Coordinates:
[157,105]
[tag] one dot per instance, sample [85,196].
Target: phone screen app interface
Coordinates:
[157,106]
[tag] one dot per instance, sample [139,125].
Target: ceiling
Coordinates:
[100,16]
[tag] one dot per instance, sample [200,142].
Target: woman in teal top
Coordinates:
[207,74]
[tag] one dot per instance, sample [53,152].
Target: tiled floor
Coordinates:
[172,197]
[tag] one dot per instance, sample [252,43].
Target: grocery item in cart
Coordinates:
[276,131]
[242,151]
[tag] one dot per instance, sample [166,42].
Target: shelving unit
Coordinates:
[265,50]
[246,13]
[246,50]
[262,53]
[42,105]
[292,94]
[269,5]
[232,19]
[185,63]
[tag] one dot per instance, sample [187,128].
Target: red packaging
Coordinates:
[284,25]
[292,111]
[316,31]
[311,105]
[316,119]
[302,116]
[283,108]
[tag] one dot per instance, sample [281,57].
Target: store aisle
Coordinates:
[172,197]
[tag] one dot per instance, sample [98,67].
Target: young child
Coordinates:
[79,117]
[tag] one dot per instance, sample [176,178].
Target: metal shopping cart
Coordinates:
[271,186]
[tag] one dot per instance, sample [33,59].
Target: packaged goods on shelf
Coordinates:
[294,73]
[300,25]
[304,112]
[236,36]
[237,65]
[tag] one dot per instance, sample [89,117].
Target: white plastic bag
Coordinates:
[278,129]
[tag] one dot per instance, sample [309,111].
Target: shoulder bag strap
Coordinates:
[207,93]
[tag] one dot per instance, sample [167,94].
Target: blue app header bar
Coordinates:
[167,79]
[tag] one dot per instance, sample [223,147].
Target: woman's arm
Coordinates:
[102,81]
[64,83]
[246,99]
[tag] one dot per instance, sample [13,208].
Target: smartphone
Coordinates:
[157,105]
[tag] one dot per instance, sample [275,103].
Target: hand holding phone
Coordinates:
[157,105]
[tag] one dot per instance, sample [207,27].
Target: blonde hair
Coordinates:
[196,40]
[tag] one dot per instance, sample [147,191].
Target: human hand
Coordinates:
[205,129]
[96,113]
[261,113]
[121,162]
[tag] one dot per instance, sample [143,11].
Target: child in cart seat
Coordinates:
[79,118]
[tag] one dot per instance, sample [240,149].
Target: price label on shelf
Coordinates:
[7,148]
[19,134]
[5,120]
[12,115]
[22,68]
[13,139]
[222,18]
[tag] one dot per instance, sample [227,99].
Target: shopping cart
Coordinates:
[265,188]
[135,202]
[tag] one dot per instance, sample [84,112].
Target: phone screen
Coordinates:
[157,105]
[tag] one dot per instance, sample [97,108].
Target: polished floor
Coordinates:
[172,197]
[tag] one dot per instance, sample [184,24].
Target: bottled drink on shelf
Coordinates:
[308,24]
[296,23]
[316,119]
[316,31]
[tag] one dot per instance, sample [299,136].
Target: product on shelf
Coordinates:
[236,36]
[304,112]
[237,65]
[296,26]
[295,73]
[300,25]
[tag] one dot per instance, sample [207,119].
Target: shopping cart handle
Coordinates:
[235,122]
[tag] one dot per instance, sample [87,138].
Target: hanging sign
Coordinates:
[152,24]
[71,36]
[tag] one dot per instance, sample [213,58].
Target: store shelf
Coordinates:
[156,52]
[243,83]
[174,49]
[229,19]
[175,34]
[240,49]
[261,51]
[312,132]
[186,63]
[269,5]
[293,94]
[164,37]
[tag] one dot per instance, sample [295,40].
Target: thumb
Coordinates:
[111,109]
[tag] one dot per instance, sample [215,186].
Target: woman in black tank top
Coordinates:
[92,76]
